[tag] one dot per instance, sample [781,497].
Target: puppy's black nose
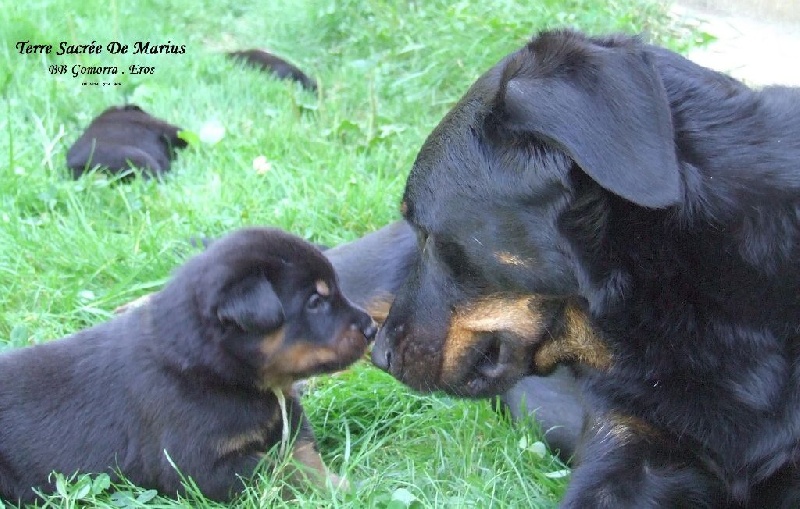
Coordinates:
[370,331]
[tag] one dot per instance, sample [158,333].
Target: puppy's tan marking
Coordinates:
[303,357]
[306,456]
[579,343]
[323,288]
[238,443]
[272,343]
[516,315]
[244,441]
[284,363]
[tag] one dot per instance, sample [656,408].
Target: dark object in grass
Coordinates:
[608,204]
[196,373]
[268,62]
[122,138]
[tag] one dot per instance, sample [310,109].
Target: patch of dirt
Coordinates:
[757,42]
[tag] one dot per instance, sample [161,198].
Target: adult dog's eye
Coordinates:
[452,256]
[315,301]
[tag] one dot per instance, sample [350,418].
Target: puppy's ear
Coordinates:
[604,105]
[251,305]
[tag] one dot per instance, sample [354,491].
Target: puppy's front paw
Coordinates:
[338,483]
[311,468]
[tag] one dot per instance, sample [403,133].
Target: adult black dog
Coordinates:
[122,137]
[610,204]
[200,375]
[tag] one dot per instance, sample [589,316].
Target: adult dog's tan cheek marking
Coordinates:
[507,258]
[624,429]
[579,343]
[517,316]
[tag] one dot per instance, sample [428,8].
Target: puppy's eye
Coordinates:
[315,301]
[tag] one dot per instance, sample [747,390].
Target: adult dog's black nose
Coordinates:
[381,356]
[382,350]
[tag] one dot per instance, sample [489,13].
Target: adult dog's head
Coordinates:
[262,307]
[539,139]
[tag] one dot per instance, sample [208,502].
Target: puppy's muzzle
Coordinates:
[364,324]
[370,331]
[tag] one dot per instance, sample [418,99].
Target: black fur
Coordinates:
[191,372]
[122,137]
[661,200]
[275,65]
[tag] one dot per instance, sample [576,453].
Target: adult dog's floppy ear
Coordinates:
[604,105]
[251,305]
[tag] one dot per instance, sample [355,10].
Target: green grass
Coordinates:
[72,251]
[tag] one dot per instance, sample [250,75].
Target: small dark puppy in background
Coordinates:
[200,375]
[123,137]
[268,62]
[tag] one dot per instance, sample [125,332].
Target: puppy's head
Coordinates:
[270,309]
[556,135]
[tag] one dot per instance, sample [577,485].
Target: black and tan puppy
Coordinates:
[197,375]
[609,204]
[275,65]
[125,137]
